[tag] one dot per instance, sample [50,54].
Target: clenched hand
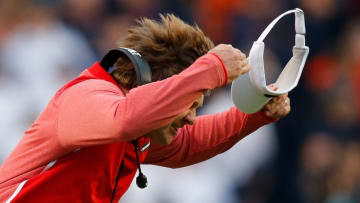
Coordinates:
[277,107]
[234,60]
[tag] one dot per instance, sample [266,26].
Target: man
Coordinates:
[89,141]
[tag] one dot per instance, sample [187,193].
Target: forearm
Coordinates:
[156,104]
[211,135]
[101,114]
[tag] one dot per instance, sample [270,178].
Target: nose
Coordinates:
[190,117]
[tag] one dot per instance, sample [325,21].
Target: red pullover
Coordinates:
[73,151]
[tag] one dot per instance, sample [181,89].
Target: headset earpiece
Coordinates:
[142,68]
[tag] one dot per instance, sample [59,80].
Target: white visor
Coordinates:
[249,92]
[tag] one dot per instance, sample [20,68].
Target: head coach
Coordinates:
[136,106]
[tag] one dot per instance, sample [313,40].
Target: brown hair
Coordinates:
[169,46]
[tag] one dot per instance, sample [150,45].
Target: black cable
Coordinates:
[116,181]
[141,180]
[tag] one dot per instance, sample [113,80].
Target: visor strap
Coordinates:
[299,41]
[299,23]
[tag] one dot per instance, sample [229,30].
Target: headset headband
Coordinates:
[142,68]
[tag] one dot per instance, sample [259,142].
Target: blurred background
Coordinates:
[312,155]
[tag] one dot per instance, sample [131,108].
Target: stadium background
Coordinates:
[312,155]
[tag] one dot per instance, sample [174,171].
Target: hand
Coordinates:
[234,60]
[277,107]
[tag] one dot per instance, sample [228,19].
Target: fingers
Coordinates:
[234,60]
[284,108]
[287,108]
[246,69]
[269,110]
[244,66]
[273,87]
[244,63]
[278,107]
[242,55]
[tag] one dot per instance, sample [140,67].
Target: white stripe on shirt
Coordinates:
[21,185]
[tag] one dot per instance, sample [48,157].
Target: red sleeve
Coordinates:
[96,111]
[209,136]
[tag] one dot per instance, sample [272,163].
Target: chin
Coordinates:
[169,139]
[163,136]
[164,139]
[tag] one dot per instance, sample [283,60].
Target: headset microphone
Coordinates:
[141,180]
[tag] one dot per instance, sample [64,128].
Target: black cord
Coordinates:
[137,155]
[116,181]
[141,180]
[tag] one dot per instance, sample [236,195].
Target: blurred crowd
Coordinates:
[311,156]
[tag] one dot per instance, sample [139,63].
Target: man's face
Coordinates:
[165,134]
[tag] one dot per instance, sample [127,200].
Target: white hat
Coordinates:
[249,92]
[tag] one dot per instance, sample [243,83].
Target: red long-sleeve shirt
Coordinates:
[74,149]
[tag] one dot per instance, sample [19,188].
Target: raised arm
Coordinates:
[97,112]
[209,136]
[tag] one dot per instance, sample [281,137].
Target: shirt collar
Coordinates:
[99,72]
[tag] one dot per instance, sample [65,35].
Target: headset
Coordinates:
[143,73]
[141,66]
